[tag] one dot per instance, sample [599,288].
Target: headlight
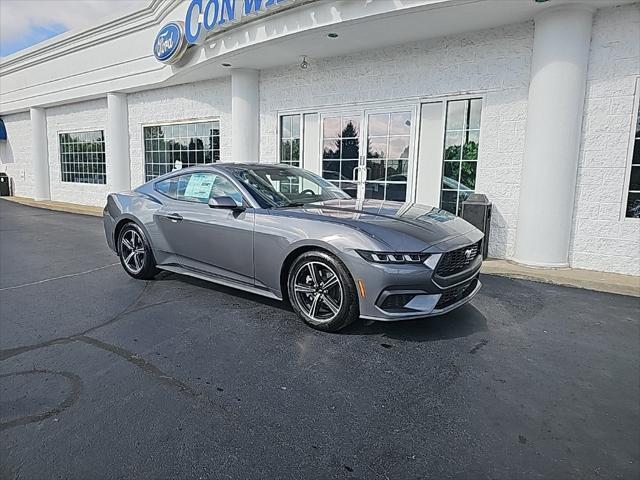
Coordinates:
[393,257]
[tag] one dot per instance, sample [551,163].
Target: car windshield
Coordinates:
[285,186]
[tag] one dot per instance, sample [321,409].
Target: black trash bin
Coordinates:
[477,211]
[5,185]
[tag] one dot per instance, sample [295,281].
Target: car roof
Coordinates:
[226,165]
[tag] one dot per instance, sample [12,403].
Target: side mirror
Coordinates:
[224,202]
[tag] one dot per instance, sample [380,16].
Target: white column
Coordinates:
[117,142]
[554,124]
[40,154]
[245,115]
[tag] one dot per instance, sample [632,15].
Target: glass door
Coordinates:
[369,154]
[388,155]
[341,147]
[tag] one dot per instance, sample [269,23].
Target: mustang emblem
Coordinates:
[468,254]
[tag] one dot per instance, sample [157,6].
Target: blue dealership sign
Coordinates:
[202,18]
[169,45]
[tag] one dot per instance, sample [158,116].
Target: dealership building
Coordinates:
[533,103]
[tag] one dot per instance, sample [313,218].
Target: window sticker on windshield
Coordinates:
[199,186]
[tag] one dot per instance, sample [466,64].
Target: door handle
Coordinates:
[174,217]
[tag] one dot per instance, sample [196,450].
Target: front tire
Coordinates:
[135,253]
[322,292]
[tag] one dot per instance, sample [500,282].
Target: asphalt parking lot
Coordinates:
[103,376]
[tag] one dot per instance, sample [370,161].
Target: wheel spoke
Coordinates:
[330,283]
[127,244]
[137,261]
[314,306]
[303,288]
[329,303]
[312,271]
[129,257]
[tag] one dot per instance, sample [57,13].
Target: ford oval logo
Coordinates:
[169,45]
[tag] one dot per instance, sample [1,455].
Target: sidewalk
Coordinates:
[57,206]
[572,277]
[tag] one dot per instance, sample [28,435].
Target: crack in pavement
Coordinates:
[136,360]
[69,275]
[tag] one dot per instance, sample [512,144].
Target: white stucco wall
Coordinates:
[603,239]
[193,101]
[15,153]
[494,63]
[81,116]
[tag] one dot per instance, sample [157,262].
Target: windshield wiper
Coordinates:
[291,204]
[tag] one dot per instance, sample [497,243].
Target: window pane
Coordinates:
[331,169]
[295,126]
[331,149]
[470,149]
[399,147]
[376,170]
[449,200]
[350,148]
[286,126]
[634,181]
[474,113]
[285,151]
[350,127]
[452,145]
[374,190]
[400,123]
[377,147]
[396,192]
[450,175]
[397,170]
[331,127]
[379,125]
[468,175]
[633,205]
[295,150]
[455,114]
[347,170]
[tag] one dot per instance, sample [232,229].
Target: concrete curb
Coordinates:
[570,277]
[57,206]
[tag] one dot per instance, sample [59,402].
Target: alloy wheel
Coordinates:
[318,291]
[132,251]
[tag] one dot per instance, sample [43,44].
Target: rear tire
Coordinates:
[322,292]
[135,253]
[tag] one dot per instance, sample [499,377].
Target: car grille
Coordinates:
[453,295]
[457,260]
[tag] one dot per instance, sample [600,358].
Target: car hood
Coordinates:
[401,226]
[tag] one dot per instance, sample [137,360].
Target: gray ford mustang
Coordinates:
[286,233]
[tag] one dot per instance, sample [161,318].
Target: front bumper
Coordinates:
[385,316]
[389,292]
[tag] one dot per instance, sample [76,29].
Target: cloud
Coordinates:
[22,22]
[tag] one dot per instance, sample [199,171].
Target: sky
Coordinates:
[27,22]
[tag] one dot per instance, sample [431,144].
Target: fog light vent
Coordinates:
[396,302]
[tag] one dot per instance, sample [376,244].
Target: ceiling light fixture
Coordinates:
[332,35]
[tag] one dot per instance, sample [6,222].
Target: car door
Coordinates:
[218,241]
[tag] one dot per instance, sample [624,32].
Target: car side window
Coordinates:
[224,188]
[198,187]
[167,187]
